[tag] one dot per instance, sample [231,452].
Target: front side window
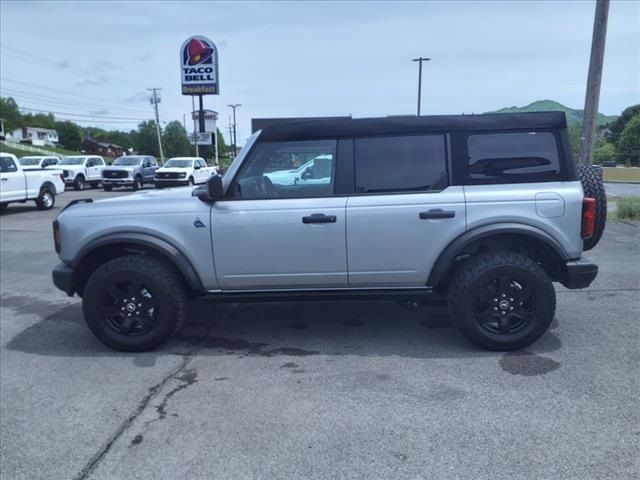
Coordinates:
[413,163]
[7,165]
[512,157]
[288,170]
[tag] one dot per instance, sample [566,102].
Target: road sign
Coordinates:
[202,138]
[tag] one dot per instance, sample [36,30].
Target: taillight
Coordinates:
[588,217]
[56,235]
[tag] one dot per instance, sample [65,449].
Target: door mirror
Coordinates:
[210,192]
[307,174]
[196,167]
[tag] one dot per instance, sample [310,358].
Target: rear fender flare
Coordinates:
[457,247]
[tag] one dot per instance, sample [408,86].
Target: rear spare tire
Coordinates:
[134,303]
[593,186]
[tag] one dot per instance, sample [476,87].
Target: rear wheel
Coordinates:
[46,199]
[79,183]
[134,303]
[593,186]
[501,300]
[107,188]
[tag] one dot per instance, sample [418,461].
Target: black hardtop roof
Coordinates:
[350,127]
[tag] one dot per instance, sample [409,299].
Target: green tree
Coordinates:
[175,141]
[69,135]
[617,126]
[605,152]
[145,140]
[41,120]
[628,145]
[575,136]
[10,112]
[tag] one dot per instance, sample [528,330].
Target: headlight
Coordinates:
[183,174]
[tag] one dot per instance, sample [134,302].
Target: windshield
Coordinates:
[29,160]
[72,161]
[127,161]
[176,162]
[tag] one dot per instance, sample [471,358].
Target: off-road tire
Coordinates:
[480,269]
[163,283]
[137,183]
[107,188]
[593,186]
[79,183]
[46,199]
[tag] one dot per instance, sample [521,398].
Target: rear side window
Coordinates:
[512,157]
[413,163]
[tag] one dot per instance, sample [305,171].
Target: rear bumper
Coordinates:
[580,273]
[63,278]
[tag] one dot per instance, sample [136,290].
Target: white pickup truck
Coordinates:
[80,170]
[183,171]
[19,185]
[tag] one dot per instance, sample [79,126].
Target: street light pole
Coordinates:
[235,138]
[155,99]
[420,60]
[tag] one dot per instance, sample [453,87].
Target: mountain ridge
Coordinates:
[574,117]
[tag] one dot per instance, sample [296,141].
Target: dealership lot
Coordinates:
[315,390]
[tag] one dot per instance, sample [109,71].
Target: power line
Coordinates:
[82,115]
[45,100]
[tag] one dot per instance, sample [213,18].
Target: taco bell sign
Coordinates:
[199,67]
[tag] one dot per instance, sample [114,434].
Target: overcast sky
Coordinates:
[307,59]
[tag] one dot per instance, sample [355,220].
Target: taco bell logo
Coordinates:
[199,67]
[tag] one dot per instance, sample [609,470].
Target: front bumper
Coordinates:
[63,278]
[171,182]
[117,181]
[580,273]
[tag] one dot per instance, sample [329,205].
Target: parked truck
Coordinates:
[20,185]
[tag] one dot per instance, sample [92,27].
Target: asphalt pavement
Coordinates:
[616,189]
[340,390]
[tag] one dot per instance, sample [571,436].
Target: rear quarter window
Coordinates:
[515,157]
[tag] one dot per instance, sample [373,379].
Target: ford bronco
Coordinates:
[481,211]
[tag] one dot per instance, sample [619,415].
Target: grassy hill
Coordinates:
[574,117]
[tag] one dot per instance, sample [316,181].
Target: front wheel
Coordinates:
[191,181]
[46,199]
[79,183]
[137,184]
[107,188]
[501,300]
[134,303]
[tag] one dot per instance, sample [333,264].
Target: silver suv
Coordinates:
[482,211]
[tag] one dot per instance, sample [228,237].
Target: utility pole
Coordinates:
[592,97]
[420,60]
[235,138]
[155,99]
[230,129]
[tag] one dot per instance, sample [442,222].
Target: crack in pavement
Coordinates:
[94,461]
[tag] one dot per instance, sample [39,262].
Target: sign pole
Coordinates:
[193,109]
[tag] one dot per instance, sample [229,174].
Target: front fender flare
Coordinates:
[175,256]
[456,247]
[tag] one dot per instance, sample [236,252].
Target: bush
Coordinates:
[628,208]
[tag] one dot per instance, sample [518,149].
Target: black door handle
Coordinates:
[437,213]
[319,218]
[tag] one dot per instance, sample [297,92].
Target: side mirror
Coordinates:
[307,174]
[213,190]
[196,167]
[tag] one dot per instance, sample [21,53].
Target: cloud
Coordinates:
[93,81]
[102,66]
[138,97]
[99,113]
[64,64]
[145,57]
